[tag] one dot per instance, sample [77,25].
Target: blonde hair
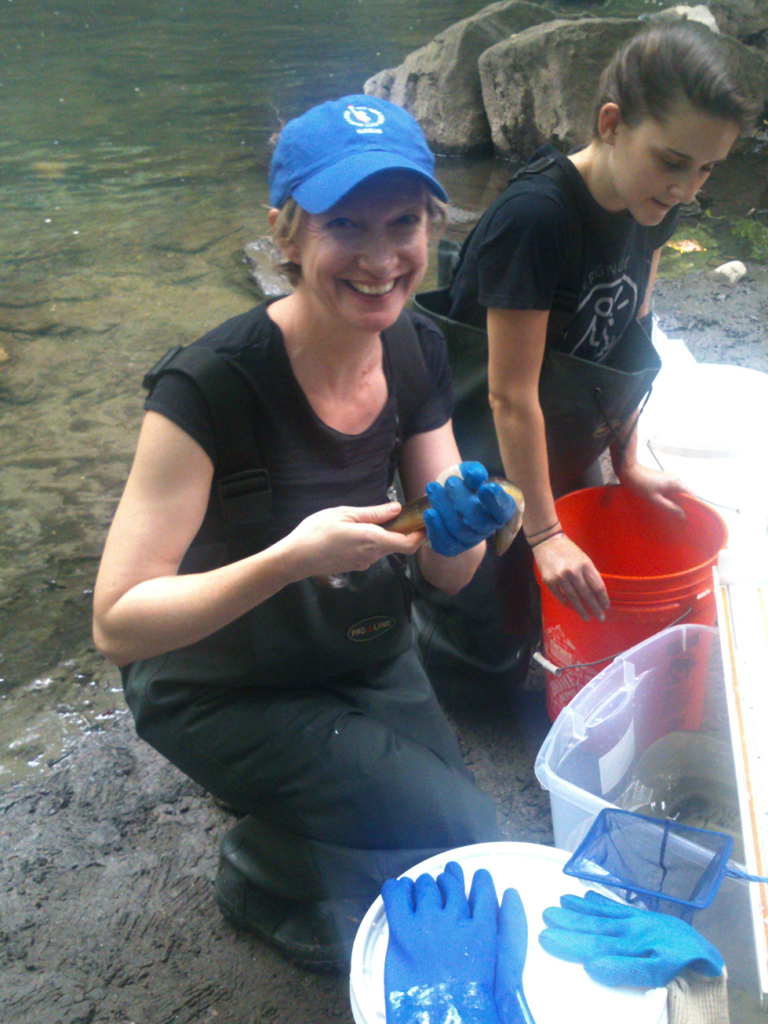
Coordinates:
[290,216]
[284,229]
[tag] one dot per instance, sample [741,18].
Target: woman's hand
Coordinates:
[347,539]
[572,577]
[658,488]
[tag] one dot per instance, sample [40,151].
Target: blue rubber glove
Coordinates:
[512,946]
[465,510]
[621,945]
[452,958]
[441,956]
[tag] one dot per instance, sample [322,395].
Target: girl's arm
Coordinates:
[424,459]
[142,607]
[516,341]
[657,487]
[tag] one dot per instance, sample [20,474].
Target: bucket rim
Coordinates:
[688,575]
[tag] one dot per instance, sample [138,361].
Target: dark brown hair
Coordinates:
[667,62]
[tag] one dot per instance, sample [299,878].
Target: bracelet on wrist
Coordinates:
[537,533]
[545,539]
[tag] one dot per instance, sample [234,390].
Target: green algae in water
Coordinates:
[673,262]
[721,239]
[749,239]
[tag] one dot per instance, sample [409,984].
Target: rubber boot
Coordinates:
[266,885]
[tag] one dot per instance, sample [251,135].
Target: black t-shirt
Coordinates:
[519,257]
[311,465]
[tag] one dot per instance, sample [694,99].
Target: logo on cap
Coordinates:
[364,119]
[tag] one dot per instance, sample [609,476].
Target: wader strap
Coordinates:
[550,168]
[242,482]
[621,446]
[409,370]
[410,379]
[448,261]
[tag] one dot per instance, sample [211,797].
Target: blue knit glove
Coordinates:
[441,956]
[621,945]
[465,510]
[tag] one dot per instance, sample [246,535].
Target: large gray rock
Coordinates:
[538,85]
[440,85]
[744,19]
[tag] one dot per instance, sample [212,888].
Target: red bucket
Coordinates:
[657,570]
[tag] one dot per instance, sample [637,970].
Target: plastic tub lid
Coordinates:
[556,991]
[710,410]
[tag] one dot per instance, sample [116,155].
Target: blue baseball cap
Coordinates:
[324,153]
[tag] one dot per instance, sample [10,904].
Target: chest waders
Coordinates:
[486,634]
[585,404]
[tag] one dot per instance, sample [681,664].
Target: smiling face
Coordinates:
[657,164]
[362,259]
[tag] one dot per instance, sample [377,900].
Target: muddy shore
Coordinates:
[107,890]
[109,857]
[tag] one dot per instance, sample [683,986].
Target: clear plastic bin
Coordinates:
[619,742]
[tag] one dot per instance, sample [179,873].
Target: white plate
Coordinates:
[557,992]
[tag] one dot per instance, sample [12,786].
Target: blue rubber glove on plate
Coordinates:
[450,957]
[465,510]
[621,945]
[512,946]
[441,956]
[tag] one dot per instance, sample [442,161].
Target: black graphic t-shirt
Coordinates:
[520,257]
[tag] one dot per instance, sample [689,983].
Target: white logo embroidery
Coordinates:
[364,120]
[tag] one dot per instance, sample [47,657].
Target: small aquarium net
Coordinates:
[668,866]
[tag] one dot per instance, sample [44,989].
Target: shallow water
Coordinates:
[133,151]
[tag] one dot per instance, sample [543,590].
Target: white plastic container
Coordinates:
[590,748]
[590,751]
[708,424]
[556,991]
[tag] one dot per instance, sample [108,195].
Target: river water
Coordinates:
[133,155]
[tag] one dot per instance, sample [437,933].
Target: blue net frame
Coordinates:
[667,866]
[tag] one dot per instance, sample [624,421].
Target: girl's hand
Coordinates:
[347,539]
[654,486]
[572,577]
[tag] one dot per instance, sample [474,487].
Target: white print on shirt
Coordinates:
[600,271]
[602,317]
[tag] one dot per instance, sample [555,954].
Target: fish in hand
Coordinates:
[411,517]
